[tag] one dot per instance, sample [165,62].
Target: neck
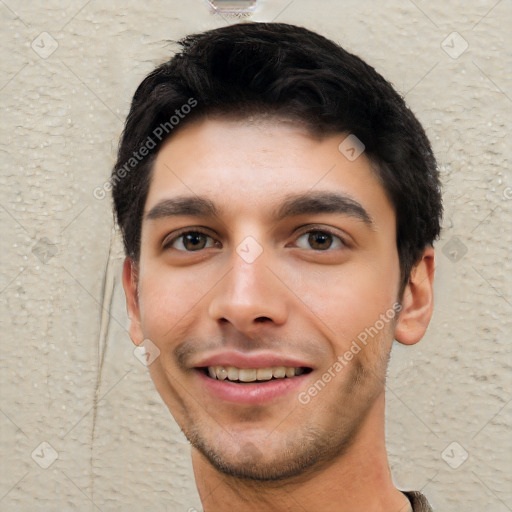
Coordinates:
[359,480]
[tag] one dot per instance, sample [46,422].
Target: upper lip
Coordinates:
[256,360]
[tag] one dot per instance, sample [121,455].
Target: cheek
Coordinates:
[168,301]
[351,298]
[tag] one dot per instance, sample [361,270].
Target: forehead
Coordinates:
[251,165]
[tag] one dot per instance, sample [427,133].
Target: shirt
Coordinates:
[418,501]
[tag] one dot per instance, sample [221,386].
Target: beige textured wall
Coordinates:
[69,377]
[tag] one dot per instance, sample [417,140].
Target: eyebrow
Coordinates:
[310,203]
[194,206]
[322,202]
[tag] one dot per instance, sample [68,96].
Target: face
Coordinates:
[265,256]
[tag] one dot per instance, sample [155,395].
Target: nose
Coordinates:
[250,297]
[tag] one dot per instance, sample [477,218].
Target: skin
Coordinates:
[294,299]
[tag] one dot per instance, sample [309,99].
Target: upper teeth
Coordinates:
[252,374]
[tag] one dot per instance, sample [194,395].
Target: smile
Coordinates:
[235,374]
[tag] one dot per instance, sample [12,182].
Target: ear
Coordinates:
[130,282]
[417,301]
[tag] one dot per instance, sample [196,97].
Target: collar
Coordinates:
[418,501]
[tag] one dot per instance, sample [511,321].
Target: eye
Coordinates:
[320,240]
[190,241]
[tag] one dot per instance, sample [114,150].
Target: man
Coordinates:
[278,203]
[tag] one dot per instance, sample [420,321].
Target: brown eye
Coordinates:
[190,241]
[320,240]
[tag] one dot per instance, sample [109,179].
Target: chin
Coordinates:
[265,461]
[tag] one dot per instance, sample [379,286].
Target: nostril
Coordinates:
[263,319]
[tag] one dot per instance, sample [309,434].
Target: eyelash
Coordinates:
[169,243]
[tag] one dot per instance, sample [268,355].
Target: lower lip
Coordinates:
[251,393]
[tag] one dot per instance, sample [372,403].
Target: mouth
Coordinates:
[259,378]
[252,375]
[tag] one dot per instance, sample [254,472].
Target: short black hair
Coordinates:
[291,72]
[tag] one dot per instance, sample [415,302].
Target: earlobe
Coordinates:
[130,281]
[417,301]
